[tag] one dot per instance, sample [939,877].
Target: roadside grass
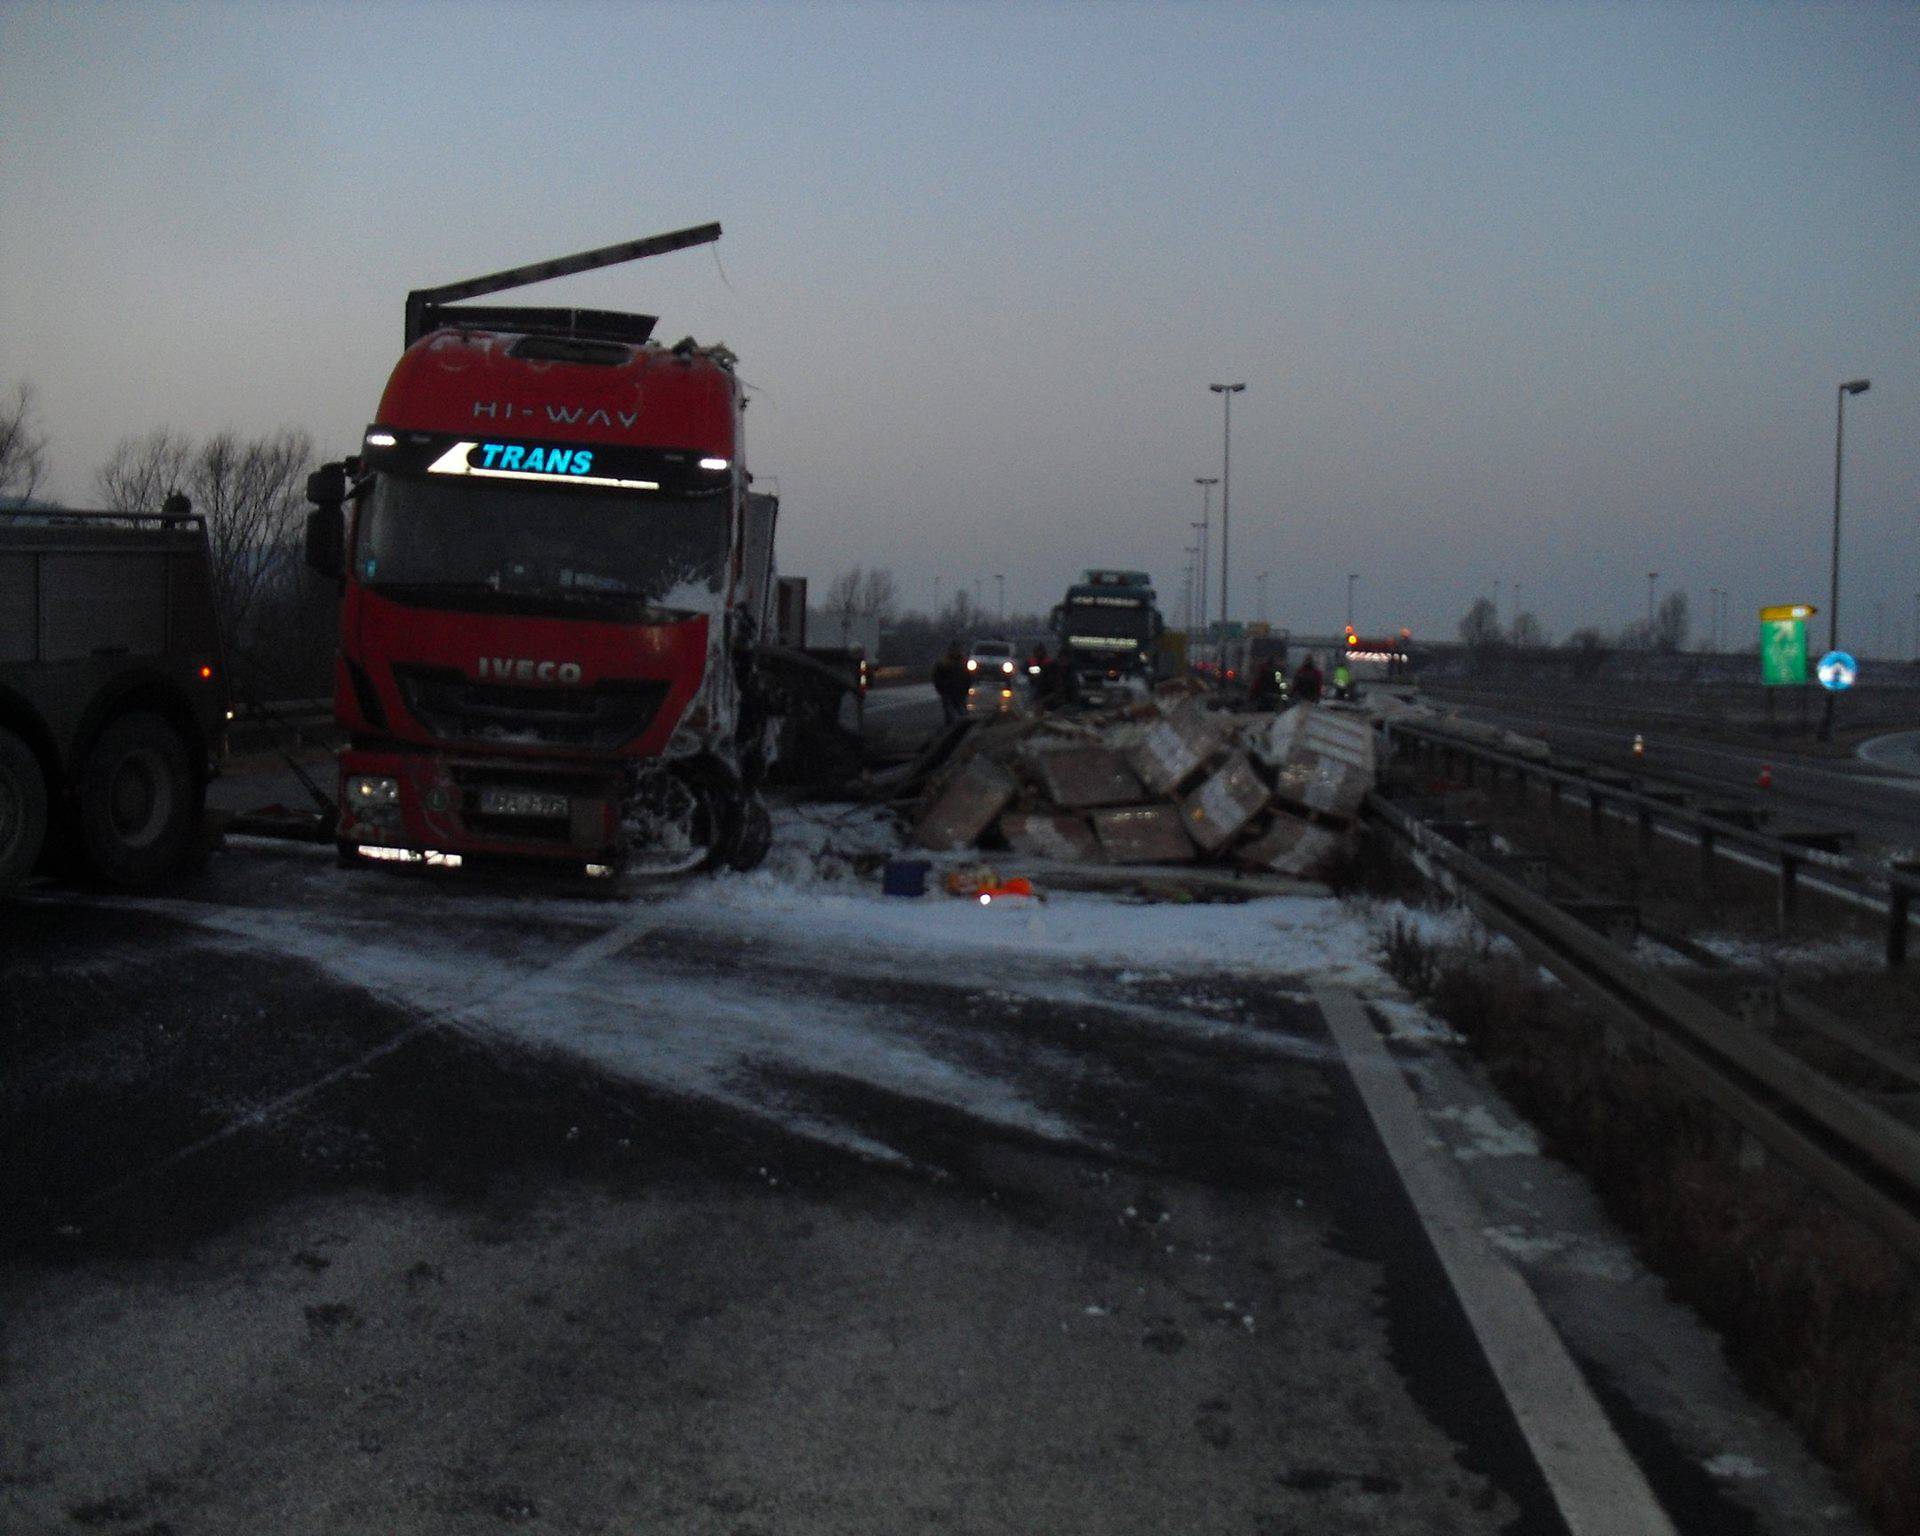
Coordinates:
[1820,1318]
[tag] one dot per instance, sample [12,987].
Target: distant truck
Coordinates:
[1108,631]
[113,693]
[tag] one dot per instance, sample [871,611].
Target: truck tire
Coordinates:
[138,809]
[755,839]
[23,811]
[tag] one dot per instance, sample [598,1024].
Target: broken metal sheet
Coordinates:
[1143,834]
[1041,836]
[1076,777]
[1229,799]
[965,806]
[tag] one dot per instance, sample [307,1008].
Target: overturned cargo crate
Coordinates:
[1321,759]
[1143,834]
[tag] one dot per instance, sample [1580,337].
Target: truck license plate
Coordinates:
[522,802]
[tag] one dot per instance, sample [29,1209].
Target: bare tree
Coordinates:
[1527,633]
[843,601]
[23,447]
[1480,628]
[1671,623]
[251,494]
[878,597]
[142,472]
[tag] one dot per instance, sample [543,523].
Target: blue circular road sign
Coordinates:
[1837,671]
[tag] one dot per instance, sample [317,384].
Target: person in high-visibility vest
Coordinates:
[1342,679]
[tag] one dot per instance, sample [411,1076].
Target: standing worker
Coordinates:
[950,683]
[1050,678]
[1306,682]
[1342,679]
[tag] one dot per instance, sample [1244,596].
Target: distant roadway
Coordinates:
[1872,799]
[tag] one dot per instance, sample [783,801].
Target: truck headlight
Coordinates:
[365,790]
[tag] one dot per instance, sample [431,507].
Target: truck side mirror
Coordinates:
[1056,620]
[327,485]
[327,540]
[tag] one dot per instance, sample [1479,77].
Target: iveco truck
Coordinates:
[555,581]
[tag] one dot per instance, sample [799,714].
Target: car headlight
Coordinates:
[972,665]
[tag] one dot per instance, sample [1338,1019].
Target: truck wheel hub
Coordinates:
[137,799]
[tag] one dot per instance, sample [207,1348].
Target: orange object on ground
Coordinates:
[1765,781]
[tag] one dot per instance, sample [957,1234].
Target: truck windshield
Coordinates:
[1107,621]
[532,548]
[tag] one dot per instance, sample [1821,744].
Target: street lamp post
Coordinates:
[1000,597]
[1260,581]
[1652,577]
[1851,387]
[1352,577]
[1206,484]
[1226,392]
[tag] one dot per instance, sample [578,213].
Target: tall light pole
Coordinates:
[1652,577]
[1851,387]
[1260,581]
[1352,577]
[1000,597]
[1226,392]
[1206,484]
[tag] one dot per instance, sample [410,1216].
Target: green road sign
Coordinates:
[1783,651]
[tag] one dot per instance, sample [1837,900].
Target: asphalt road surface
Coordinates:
[355,1202]
[1877,802]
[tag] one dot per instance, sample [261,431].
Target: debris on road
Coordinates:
[1166,780]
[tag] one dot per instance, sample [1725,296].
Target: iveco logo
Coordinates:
[519,669]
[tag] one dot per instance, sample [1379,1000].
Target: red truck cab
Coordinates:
[544,597]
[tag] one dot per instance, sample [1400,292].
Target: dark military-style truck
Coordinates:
[113,693]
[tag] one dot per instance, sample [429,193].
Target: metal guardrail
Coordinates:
[1894,889]
[1844,1144]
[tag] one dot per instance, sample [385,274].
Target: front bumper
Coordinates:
[451,803]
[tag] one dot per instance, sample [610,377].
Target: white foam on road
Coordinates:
[818,1000]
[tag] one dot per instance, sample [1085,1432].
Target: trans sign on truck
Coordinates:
[554,576]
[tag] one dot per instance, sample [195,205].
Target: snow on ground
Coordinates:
[763,991]
[1767,954]
[1484,1136]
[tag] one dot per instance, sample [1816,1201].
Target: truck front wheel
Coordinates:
[137,805]
[23,811]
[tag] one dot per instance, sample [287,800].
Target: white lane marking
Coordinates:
[1598,1487]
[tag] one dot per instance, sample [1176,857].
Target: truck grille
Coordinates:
[604,716]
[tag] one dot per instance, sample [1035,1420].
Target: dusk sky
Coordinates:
[1548,295]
